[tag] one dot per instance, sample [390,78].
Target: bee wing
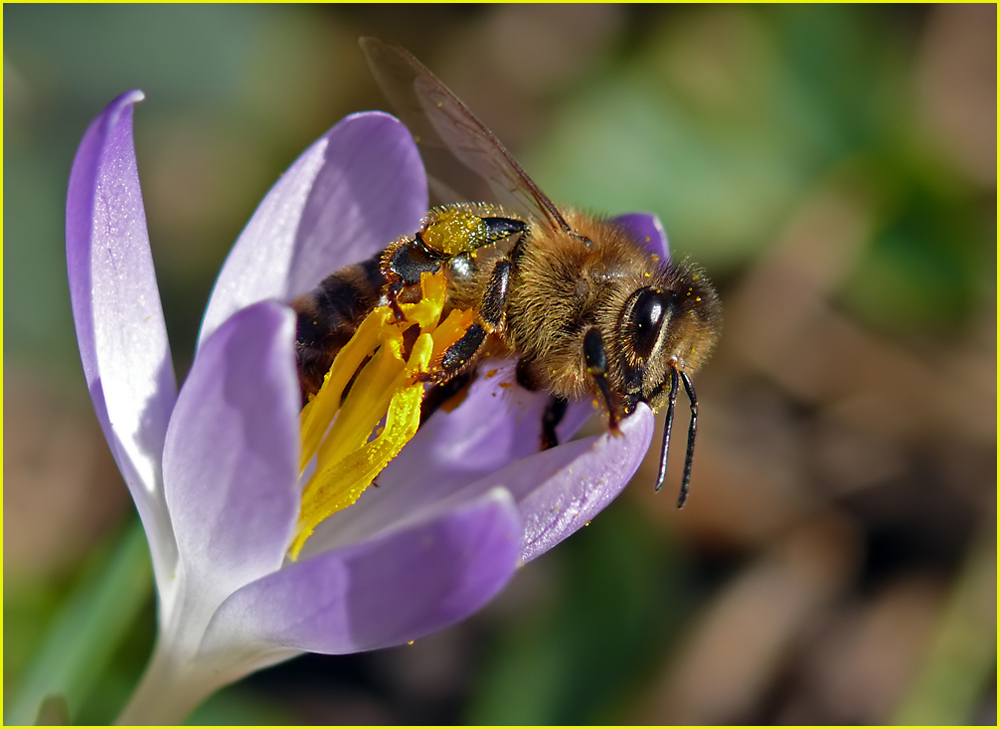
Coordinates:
[464,158]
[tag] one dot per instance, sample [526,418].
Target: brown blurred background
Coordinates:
[834,169]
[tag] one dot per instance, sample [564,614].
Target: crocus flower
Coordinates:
[215,471]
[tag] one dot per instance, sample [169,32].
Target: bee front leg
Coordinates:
[392,292]
[402,265]
[597,366]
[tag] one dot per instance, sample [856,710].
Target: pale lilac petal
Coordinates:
[499,422]
[648,230]
[350,194]
[231,458]
[116,308]
[386,591]
[560,490]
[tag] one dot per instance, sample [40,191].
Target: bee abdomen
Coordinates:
[329,315]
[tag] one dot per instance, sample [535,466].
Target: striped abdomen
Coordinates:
[330,314]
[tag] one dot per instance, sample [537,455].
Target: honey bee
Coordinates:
[585,308]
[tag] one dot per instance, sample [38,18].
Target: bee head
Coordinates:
[667,331]
[667,327]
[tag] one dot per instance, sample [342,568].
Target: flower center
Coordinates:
[385,360]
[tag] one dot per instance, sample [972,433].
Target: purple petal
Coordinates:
[116,308]
[648,230]
[392,589]
[499,422]
[231,459]
[560,490]
[350,194]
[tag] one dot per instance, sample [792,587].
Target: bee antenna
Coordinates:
[667,425]
[692,431]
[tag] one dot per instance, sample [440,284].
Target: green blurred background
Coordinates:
[834,168]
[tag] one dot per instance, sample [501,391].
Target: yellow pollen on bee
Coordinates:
[337,431]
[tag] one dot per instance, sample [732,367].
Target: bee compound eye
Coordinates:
[645,317]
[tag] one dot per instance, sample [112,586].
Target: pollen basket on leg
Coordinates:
[387,384]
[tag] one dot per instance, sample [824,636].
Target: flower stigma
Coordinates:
[337,429]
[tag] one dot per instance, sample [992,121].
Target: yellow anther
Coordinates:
[337,431]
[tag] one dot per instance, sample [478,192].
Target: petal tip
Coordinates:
[120,104]
[133,97]
[648,230]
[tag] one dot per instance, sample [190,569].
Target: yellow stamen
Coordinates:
[337,430]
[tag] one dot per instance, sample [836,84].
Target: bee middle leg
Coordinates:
[555,411]
[462,353]
[555,408]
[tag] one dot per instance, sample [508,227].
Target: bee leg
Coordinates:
[462,353]
[406,261]
[555,411]
[402,265]
[392,297]
[517,250]
[459,355]
[497,228]
[525,374]
[495,295]
[555,408]
[597,366]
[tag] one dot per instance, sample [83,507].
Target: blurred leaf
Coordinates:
[87,629]
[925,269]
[28,607]
[53,712]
